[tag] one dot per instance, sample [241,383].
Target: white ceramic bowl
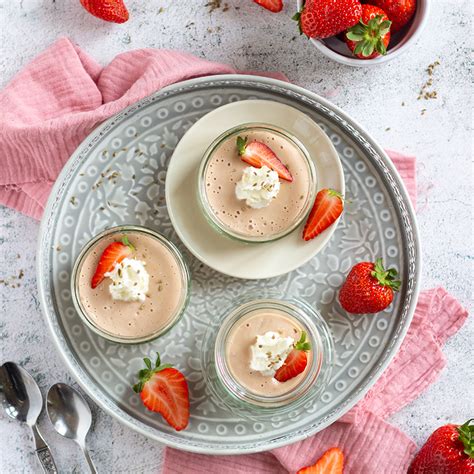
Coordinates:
[337,50]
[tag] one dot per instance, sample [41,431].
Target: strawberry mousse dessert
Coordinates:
[256,183]
[130,284]
[270,353]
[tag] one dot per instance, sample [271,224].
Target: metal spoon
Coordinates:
[70,415]
[21,398]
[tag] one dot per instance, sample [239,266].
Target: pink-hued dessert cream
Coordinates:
[225,169]
[133,319]
[243,335]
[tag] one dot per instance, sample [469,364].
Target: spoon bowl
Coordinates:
[20,395]
[70,415]
[22,400]
[68,411]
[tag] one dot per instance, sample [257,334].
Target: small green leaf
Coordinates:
[241,145]
[126,242]
[157,363]
[359,47]
[373,24]
[368,49]
[303,344]
[380,48]
[354,36]
[297,17]
[358,29]
[466,436]
[147,362]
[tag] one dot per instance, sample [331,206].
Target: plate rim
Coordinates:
[74,366]
[312,254]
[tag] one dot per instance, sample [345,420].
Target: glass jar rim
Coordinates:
[296,309]
[202,193]
[185,274]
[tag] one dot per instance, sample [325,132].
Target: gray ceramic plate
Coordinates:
[117,176]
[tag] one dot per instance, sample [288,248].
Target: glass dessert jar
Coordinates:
[222,170]
[128,320]
[233,352]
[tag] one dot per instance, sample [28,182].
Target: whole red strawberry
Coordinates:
[325,18]
[107,10]
[449,450]
[370,37]
[400,12]
[368,288]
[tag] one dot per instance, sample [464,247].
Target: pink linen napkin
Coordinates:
[50,107]
[52,104]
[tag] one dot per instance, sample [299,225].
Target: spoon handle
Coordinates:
[43,452]
[89,460]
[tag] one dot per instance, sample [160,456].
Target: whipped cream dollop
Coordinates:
[258,186]
[130,280]
[269,352]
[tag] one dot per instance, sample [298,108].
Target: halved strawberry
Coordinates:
[164,390]
[274,6]
[258,154]
[327,208]
[114,253]
[295,362]
[331,462]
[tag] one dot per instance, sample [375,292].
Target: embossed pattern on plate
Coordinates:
[117,176]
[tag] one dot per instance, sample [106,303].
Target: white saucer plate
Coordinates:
[229,256]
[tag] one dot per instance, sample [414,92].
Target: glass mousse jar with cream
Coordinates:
[130,284]
[270,353]
[257,183]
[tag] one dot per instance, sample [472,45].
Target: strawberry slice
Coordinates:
[274,6]
[295,362]
[258,154]
[327,207]
[164,390]
[331,462]
[113,254]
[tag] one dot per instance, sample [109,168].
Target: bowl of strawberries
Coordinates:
[362,33]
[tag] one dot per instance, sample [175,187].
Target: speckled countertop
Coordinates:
[382,99]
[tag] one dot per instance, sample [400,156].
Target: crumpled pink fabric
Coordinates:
[56,101]
[51,106]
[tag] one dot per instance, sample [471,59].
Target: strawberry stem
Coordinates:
[386,277]
[303,344]
[241,145]
[126,242]
[369,37]
[334,193]
[145,374]
[466,436]
[297,17]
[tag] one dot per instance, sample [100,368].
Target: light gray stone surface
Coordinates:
[250,38]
